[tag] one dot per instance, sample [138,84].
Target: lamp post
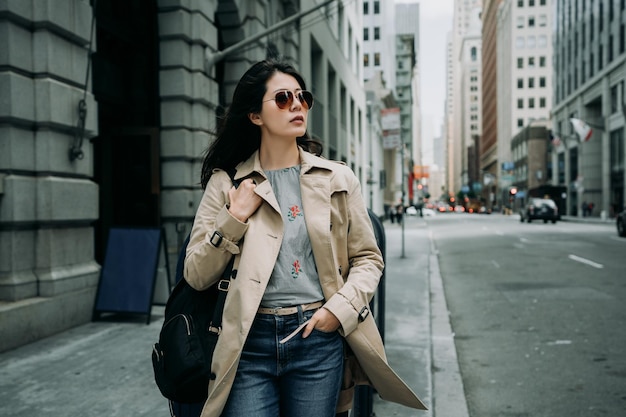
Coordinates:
[403,194]
[370,178]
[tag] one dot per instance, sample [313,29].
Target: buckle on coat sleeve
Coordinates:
[365,311]
[216,239]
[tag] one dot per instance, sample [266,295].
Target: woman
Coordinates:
[307,263]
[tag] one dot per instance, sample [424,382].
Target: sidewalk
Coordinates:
[103,369]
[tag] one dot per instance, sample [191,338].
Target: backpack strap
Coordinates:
[223,285]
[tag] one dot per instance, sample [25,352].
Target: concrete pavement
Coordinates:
[103,369]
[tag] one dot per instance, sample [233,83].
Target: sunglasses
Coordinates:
[284,99]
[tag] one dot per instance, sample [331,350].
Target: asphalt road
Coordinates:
[538,312]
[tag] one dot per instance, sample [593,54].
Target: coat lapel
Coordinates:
[316,191]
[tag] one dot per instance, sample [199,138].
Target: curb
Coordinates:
[448,391]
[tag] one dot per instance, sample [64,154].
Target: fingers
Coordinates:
[323,320]
[243,200]
[309,328]
[248,183]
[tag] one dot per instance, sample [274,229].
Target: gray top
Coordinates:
[294,279]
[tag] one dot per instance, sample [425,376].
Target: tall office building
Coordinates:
[589,79]
[524,74]
[407,92]
[488,142]
[379,40]
[464,91]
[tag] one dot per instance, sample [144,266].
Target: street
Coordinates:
[536,310]
[538,314]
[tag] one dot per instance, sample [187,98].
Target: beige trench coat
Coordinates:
[348,260]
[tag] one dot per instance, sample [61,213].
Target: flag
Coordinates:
[582,128]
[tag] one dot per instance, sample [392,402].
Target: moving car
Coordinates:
[540,209]
[621,223]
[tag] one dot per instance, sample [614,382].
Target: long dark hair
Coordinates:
[237,138]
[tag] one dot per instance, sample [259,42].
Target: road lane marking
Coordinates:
[560,342]
[495,264]
[586,261]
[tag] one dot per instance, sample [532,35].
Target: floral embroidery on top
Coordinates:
[294,211]
[295,269]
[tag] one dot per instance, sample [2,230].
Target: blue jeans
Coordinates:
[301,377]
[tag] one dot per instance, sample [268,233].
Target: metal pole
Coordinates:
[403,195]
[212,58]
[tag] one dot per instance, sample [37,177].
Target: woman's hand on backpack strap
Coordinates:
[243,200]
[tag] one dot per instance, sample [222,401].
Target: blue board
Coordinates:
[128,275]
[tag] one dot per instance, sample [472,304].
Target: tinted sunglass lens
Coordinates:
[306,98]
[284,99]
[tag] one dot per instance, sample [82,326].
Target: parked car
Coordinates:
[540,209]
[621,223]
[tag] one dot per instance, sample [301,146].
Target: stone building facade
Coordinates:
[117,140]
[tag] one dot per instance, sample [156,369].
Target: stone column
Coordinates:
[48,201]
[189,98]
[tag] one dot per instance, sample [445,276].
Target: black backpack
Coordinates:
[181,359]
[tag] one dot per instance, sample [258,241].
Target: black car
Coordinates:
[621,223]
[540,209]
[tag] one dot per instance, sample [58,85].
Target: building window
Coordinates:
[377,59]
[520,22]
[616,144]
[531,42]
[520,3]
[376,33]
[520,62]
[366,60]
[531,82]
[366,7]
[531,3]
[520,83]
[531,62]
[377,7]
[614,106]
[531,21]
[542,102]
[542,61]
[531,103]
[520,103]
[542,81]
[542,41]
[474,54]
[366,34]
[542,2]
[519,42]
[520,122]
[543,20]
